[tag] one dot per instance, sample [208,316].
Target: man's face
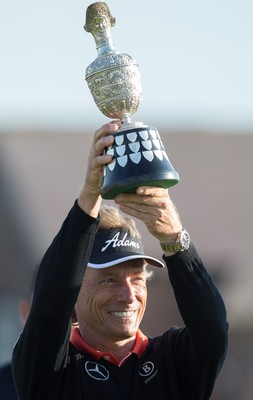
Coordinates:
[111,302]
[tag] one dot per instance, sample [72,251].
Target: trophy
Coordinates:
[139,157]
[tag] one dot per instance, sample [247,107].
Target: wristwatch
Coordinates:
[182,243]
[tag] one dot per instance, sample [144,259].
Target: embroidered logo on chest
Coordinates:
[96,371]
[148,371]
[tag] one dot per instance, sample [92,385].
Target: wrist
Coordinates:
[89,205]
[170,239]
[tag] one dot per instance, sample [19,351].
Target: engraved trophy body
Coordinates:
[139,157]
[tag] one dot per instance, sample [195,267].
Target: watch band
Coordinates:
[171,248]
[182,243]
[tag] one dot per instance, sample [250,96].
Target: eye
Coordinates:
[108,281]
[139,280]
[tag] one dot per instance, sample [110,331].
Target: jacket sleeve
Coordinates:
[201,347]
[42,347]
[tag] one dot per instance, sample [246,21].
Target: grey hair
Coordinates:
[111,217]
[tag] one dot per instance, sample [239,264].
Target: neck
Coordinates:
[119,347]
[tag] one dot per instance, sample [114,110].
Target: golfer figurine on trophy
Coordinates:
[139,157]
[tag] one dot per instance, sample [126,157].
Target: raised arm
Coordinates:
[43,345]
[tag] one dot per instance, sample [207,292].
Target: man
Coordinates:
[95,271]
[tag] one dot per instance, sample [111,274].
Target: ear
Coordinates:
[23,310]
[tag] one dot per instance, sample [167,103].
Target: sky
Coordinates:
[195,59]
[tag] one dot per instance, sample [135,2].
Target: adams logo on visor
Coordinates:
[124,242]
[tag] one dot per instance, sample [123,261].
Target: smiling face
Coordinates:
[112,302]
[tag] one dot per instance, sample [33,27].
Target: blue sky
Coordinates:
[195,60]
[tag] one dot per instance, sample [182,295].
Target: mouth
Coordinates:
[123,314]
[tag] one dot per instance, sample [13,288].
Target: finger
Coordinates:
[146,204]
[145,210]
[102,143]
[154,199]
[107,129]
[153,191]
[102,139]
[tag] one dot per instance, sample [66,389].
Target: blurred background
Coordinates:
[196,66]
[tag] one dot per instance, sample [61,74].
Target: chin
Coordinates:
[126,333]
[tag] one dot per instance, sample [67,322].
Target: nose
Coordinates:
[126,292]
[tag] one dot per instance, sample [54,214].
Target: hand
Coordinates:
[154,207]
[90,199]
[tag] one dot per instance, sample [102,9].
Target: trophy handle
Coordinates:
[99,22]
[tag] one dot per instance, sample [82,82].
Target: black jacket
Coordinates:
[181,364]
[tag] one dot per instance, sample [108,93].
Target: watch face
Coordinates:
[185,240]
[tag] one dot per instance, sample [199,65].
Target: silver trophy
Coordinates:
[139,157]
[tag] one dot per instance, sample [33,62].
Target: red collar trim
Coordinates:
[140,345]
